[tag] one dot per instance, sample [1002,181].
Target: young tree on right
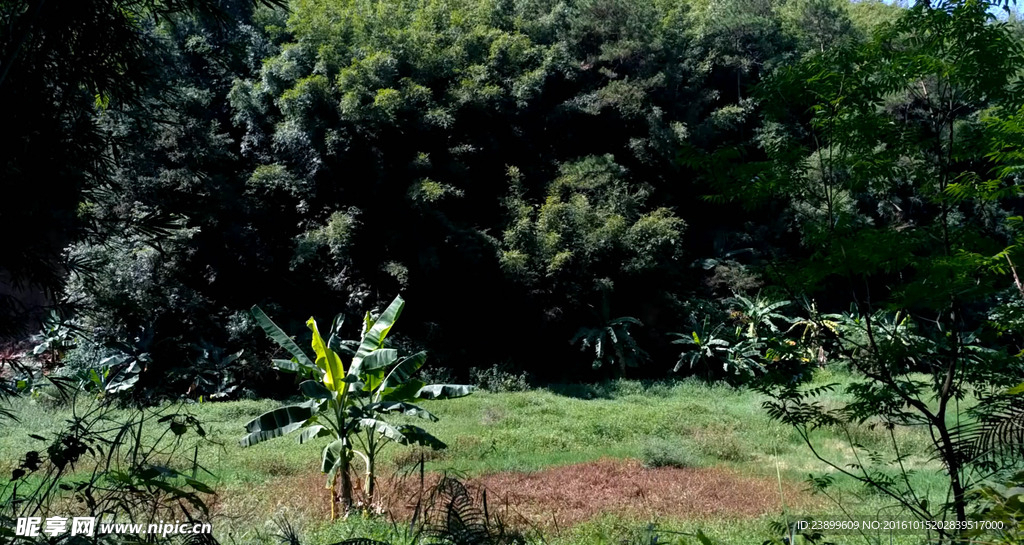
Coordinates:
[896,162]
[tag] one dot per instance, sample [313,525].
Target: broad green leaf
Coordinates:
[371,380]
[368,321]
[404,370]
[331,459]
[403,392]
[336,326]
[444,391]
[382,428]
[1018,389]
[327,360]
[294,367]
[314,389]
[375,332]
[382,357]
[280,337]
[408,409]
[311,432]
[123,379]
[277,423]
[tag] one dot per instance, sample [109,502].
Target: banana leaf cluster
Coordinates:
[351,405]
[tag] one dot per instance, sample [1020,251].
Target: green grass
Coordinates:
[684,423]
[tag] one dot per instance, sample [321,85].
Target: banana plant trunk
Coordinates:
[371,466]
[346,482]
[371,482]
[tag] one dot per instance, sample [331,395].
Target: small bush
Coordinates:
[722,444]
[437,375]
[666,453]
[499,378]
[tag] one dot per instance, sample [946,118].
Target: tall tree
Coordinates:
[890,159]
[61,62]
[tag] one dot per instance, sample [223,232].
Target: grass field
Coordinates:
[577,463]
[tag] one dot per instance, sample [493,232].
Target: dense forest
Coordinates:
[556,187]
[811,210]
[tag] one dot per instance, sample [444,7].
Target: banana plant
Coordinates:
[54,341]
[703,347]
[758,312]
[612,342]
[351,406]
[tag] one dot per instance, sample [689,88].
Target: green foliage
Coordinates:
[744,352]
[54,341]
[592,229]
[705,347]
[120,465]
[113,375]
[612,344]
[499,378]
[757,313]
[425,103]
[64,66]
[886,160]
[352,406]
[994,436]
[665,453]
[1002,505]
[278,149]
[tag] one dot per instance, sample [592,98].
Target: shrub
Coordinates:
[500,378]
[120,465]
[660,452]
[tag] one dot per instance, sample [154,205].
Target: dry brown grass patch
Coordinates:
[560,497]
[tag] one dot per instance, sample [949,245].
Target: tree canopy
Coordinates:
[567,165]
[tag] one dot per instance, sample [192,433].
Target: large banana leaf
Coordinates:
[376,331]
[406,391]
[331,459]
[280,337]
[295,367]
[444,391]
[379,358]
[404,370]
[277,423]
[405,434]
[373,368]
[314,389]
[382,428]
[327,360]
[311,432]
[408,409]
[336,325]
[371,380]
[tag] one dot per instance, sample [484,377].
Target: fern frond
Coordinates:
[997,433]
